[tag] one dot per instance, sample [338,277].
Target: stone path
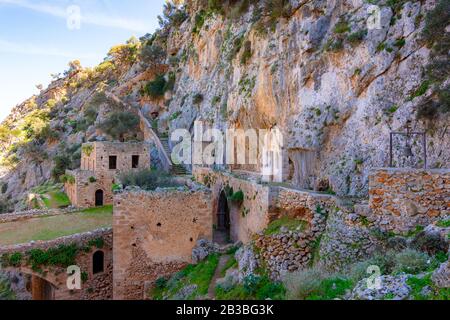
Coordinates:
[217,275]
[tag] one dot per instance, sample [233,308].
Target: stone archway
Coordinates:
[99,198]
[222,233]
[41,289]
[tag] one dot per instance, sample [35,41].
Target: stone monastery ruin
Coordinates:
[157,233]
[89,164]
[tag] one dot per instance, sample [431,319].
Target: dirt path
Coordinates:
[217,275]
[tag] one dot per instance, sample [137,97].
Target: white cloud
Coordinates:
[91,18]
[30,49]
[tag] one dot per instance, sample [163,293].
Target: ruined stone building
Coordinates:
[101,162]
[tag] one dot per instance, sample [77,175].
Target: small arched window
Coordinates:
[98,261]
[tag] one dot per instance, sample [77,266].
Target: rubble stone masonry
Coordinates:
[101,162]
[154,235]
[402,199]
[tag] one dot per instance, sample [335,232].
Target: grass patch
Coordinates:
[53,227]
[231,264]
[56,200]
[418,284]
[444,223]
[5,290]
[253,288]
[421,90]
[316,284]
[331,288]
[289,223]
[199,275]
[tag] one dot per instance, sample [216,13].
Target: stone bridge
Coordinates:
[93,255]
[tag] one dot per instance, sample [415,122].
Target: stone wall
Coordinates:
[98,159]
[95,287]
[25,215]
[301,204]
[82,192]
[248,218]
[95,173]
[402,199]
[154,235]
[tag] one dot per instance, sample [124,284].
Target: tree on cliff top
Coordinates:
[119,124]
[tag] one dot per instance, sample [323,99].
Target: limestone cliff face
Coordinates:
[340,103]
[335,88]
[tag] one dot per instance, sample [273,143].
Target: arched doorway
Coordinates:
[99,198]
[98,262]
[223,227]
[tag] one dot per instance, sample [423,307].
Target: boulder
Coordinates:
[391,287]
[247,262]
[441,277]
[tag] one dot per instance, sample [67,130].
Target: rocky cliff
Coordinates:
[333,84]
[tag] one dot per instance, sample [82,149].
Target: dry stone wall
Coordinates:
[402,199]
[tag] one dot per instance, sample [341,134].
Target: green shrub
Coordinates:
[67,179]
[197,99]
[289,223]
[148,179]
[237,197]
[199,21]
[255,287]
[302,284]
[118,124]
[444,223]
[84,276]
[61,162]
[399,43]
[436,21]
[5,290]
[90,114]
[332,288]
[357,37]
[152,54]
[99,243]
[161,283]
[62,256]
[170,84]
[175,116]
[342,27]
[334,45]
[13,260]
[247,53]
[156,88]
[411,261]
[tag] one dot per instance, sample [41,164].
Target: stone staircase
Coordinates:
[150,134]
[176,169]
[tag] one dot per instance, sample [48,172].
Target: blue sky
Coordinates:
[39,37]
